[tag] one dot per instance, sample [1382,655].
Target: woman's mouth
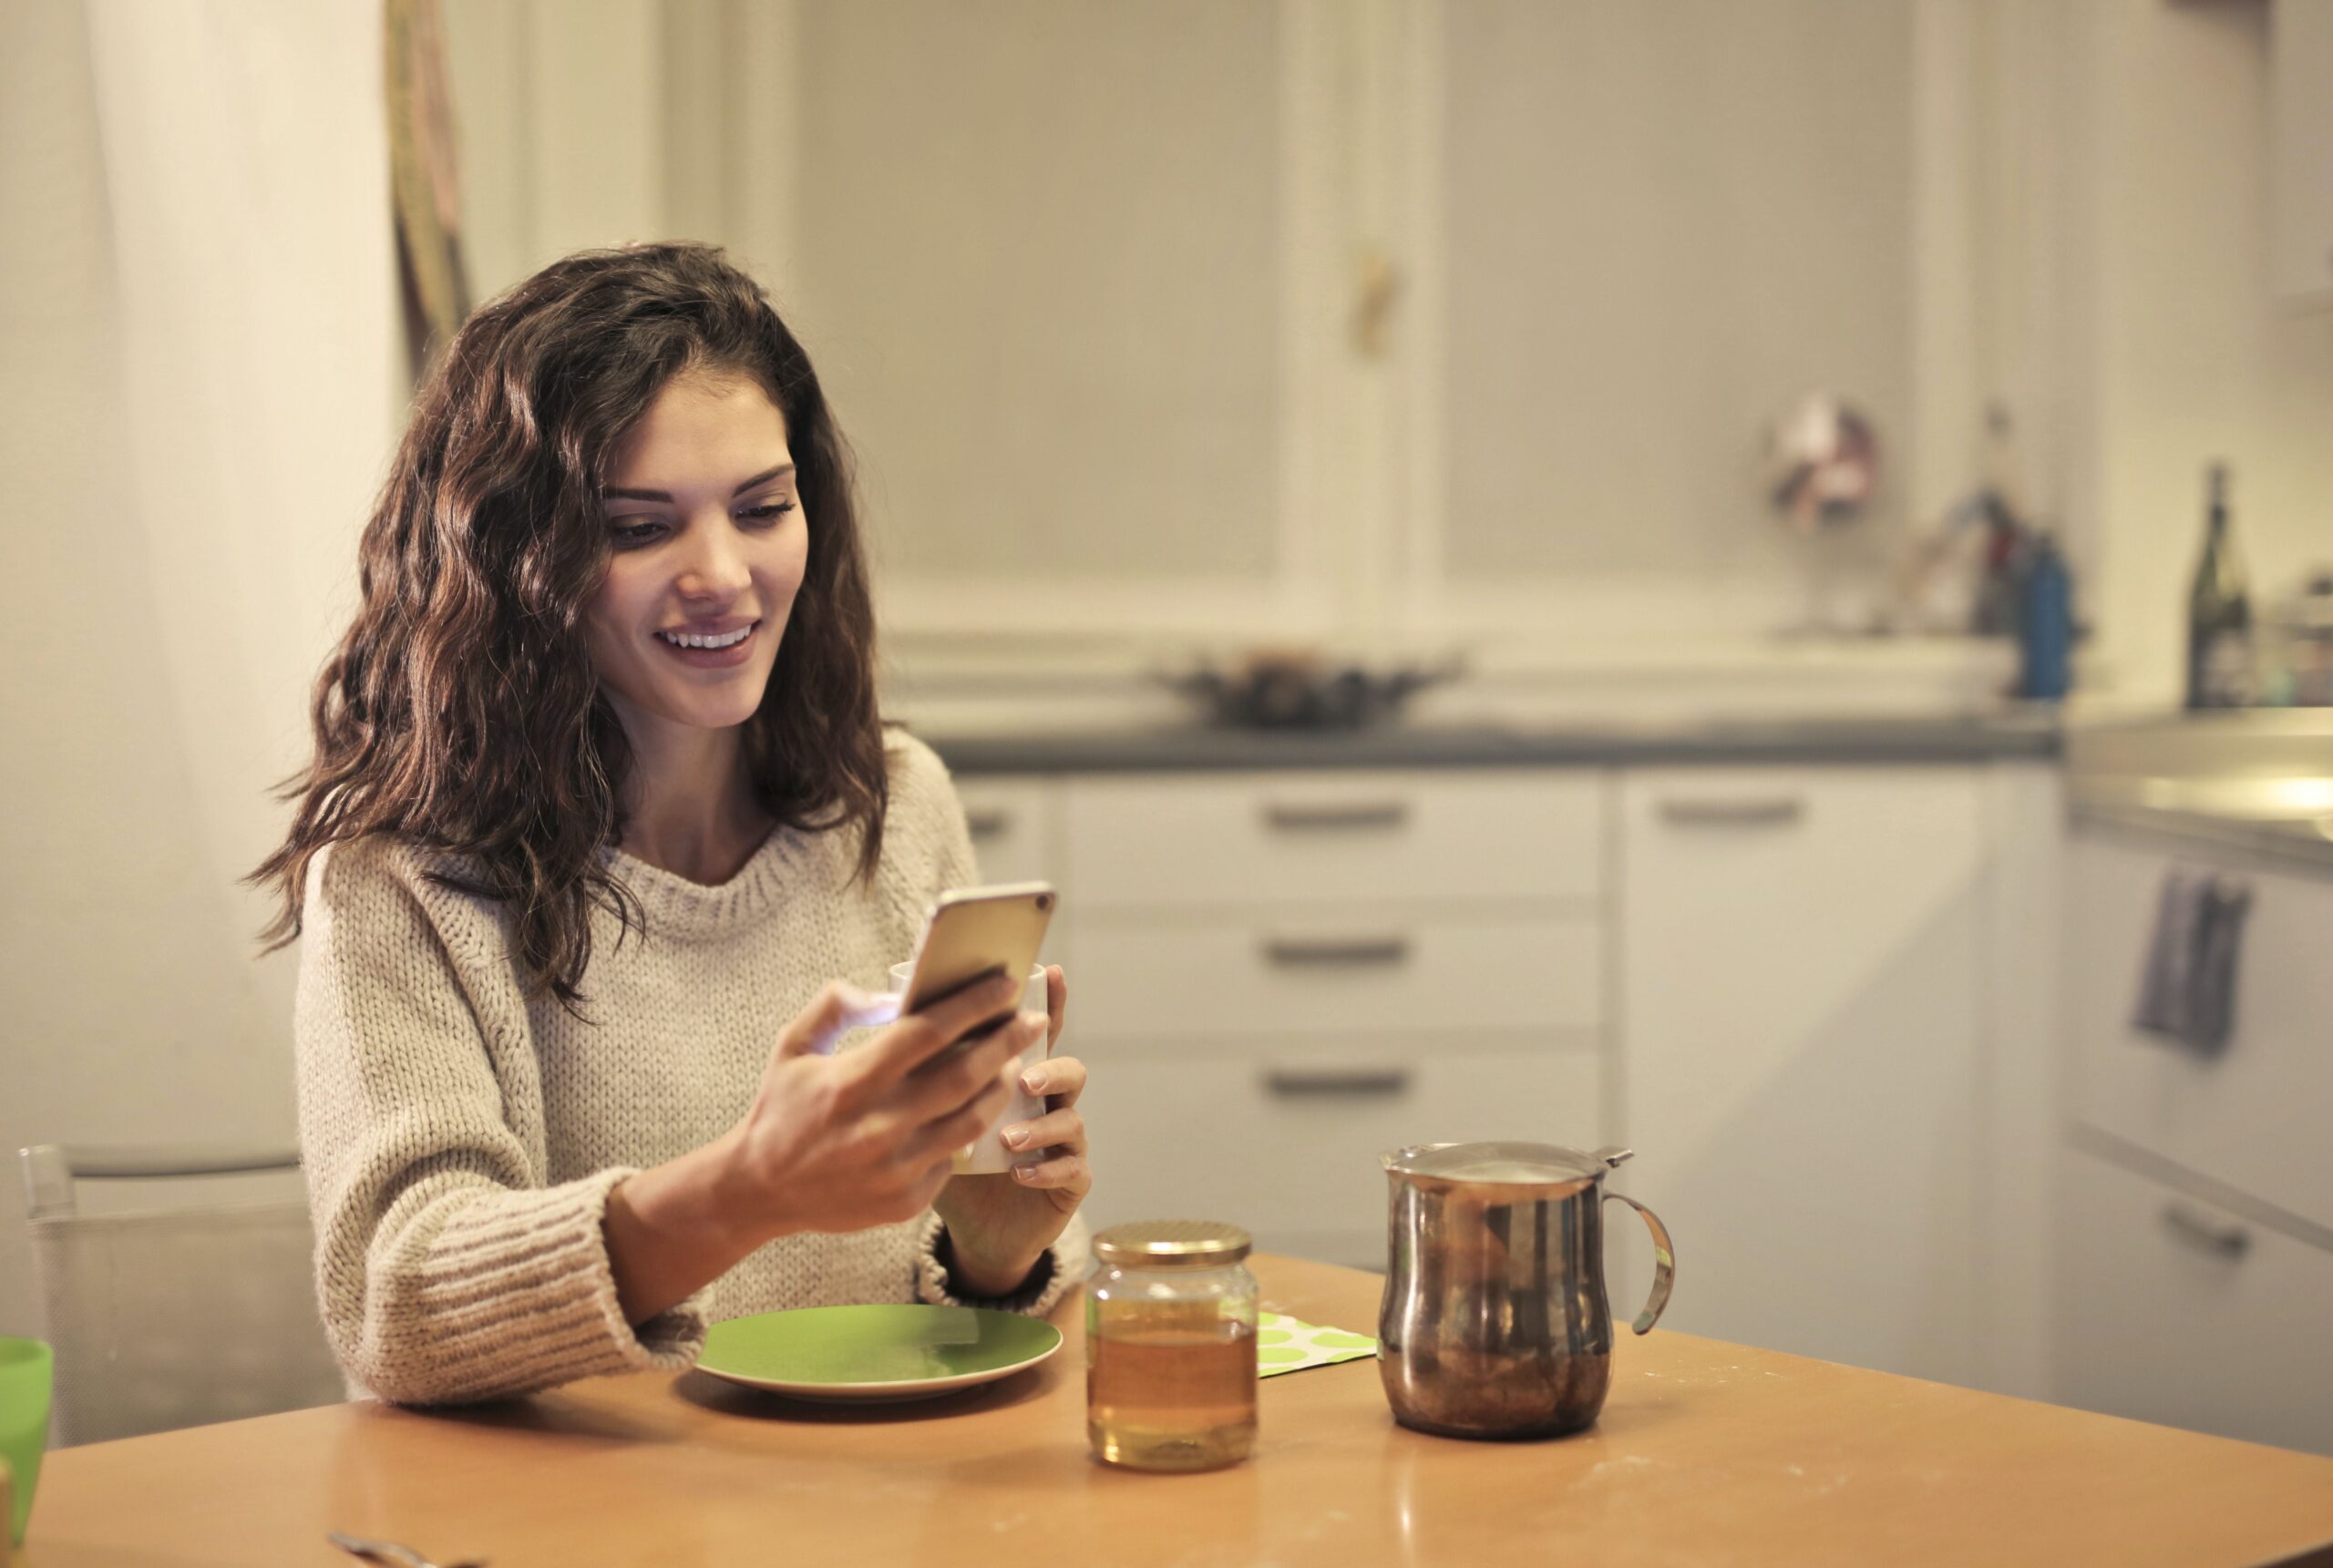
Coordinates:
[710,650]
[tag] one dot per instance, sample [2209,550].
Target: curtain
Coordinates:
[247,180]
[201,376]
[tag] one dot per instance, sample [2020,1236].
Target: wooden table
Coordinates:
[1707,1453]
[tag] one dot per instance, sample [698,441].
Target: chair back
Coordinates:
[174,1317]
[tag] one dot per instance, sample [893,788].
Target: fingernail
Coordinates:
[1024,1173]
[1016,1136]
[1033,1083]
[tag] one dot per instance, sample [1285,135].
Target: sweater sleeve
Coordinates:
[1065,1263]
[446,1269]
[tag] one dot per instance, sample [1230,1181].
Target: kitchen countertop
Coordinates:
[2258,781]
[1707,1453]
[972,751]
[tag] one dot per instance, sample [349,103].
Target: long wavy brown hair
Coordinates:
[461,712]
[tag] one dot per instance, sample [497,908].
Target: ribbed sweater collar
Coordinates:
[679,907]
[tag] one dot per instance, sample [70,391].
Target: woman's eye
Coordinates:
[636,533]
[767,514]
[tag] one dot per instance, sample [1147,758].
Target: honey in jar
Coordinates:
[1170,1345]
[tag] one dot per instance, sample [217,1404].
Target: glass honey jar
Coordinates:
[1170,1345]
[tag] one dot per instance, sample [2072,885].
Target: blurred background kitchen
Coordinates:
[1520,562]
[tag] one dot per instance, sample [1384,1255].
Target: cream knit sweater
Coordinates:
[460,1140]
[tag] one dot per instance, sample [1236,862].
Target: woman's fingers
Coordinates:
[915,1039]
[942,1137]
[1060,1079]
[837,1008]
[944,1087]
[1057,1003]
[1067,1170]
[1063,1130]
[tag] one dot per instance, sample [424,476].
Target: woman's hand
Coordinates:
[999,1226]
[831,1143]
[845,1142]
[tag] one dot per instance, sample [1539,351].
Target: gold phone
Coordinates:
[973,933]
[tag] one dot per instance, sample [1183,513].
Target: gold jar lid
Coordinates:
[1172,1244]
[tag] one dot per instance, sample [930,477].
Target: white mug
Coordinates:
[986,1156]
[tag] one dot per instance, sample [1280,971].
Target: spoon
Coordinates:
[390,1552]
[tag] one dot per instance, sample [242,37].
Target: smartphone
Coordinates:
[973,933]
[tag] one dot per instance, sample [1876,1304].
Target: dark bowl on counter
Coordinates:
[1304,692]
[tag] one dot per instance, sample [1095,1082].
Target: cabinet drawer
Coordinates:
[2251,1117]
[2171,1311]
[1303,972]
[1285,1140]
[1013,823]
[1332,836]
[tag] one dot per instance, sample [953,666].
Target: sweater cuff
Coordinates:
[518,1293]
[1058,1268]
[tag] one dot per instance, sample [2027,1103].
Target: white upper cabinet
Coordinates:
[1264,319]
[1648,229]
[1802,982]
[1057,336]
[2301,172]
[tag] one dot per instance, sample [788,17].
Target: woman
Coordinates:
[602,847]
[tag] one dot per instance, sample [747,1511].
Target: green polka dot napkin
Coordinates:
[1283,1344]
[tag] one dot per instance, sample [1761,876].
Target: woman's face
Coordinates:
[707,545]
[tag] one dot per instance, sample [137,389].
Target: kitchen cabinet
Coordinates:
[1281,1134]
[2176,1309]
[1470,836]
[1006,270]
[1015,827]
[2253,1115]
[1814,997]
[1802,962]
[2300,176]
[2195,1276]
[1282,974]
[1562,459]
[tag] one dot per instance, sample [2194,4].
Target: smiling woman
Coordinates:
[684,630]
[603,846]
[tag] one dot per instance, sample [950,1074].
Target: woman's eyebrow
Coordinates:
[613,493]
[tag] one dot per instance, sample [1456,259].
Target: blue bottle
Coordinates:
[2045,624]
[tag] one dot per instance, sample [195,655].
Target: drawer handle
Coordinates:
[1335,952]
[1288,816]
[2228,1241]
[1773,811]
[1310,1080]
[988,822]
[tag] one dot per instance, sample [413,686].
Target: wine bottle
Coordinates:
[2219,613]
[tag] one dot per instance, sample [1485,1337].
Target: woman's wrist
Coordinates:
[973,1274]
[674,1229]
[736,1194]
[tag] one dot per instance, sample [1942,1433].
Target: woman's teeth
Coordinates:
[725,640]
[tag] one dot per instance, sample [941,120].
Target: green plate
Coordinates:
[875,1353]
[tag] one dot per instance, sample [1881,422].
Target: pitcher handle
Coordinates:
[1664,1264]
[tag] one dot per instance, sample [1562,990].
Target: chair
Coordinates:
[179,1317]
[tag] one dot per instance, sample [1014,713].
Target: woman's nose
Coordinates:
[715,566]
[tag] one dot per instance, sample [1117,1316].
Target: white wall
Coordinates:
[2187,358]
[195,402]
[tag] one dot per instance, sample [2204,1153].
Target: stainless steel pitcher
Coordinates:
[1494,1322]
